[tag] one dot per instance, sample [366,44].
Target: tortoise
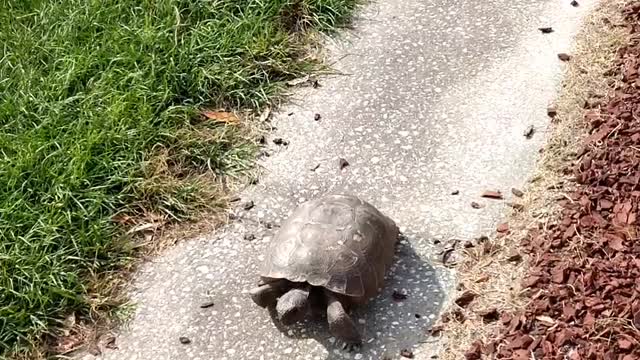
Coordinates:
[332,253]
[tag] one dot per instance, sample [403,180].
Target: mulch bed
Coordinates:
[584,280]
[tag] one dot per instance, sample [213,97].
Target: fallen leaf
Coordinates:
[489,194]
[222,116]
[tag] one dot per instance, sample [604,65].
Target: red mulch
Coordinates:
[584,281]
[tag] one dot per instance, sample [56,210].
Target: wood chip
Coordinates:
[502,228]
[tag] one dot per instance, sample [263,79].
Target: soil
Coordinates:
[583,284]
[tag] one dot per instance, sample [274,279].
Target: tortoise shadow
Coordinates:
[388,324]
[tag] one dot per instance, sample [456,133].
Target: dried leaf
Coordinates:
[222,117]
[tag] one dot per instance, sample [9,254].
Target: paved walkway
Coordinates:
[436,97]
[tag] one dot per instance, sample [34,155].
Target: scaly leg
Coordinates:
[340,324]
[267,294]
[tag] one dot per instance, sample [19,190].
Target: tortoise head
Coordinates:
[293,305]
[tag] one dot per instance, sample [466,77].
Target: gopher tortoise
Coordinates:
[332,253]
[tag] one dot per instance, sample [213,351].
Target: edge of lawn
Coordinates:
[144,233]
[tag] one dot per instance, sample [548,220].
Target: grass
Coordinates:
[99,104]
[485,270]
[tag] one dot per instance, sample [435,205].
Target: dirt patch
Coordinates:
[494,271]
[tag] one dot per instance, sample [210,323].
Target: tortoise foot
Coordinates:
[352,347]
[266,295]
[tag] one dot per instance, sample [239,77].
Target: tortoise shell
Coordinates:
[338,242]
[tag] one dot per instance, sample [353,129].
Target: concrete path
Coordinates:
[436,97]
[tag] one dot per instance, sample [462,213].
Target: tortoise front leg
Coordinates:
[340,324]
[268,294]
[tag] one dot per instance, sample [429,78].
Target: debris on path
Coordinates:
[582,281]
[343,163]
[248,205]
[207,305]
[406,354]
[304,82]
[528,133]
[490,194]
[517,192]
[280,141]
[399,295]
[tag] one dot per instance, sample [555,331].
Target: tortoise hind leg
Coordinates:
[267,294]
[340,324]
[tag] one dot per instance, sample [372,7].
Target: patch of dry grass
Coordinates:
[486,270]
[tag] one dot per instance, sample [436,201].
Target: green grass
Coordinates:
[98,117]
